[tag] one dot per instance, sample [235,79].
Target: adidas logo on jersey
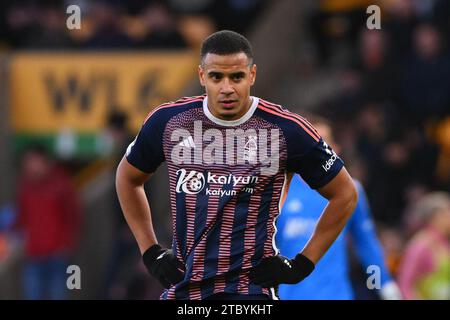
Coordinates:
[188,142]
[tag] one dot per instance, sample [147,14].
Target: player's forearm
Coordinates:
[136,210]
[330,224]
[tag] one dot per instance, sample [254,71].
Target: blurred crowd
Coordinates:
[391,115]
[392,112]
[393,101]
[113,24]
[392,105]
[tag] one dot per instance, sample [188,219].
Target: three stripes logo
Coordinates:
[188,142]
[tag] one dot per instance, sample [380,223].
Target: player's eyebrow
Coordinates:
[215,74]
[240,74]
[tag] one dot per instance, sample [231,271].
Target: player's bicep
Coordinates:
[129,174]
[339,186]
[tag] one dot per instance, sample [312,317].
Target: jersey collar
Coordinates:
[230,123]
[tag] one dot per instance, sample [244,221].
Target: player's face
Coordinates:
[227,80]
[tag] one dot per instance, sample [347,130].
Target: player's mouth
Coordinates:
[228,103]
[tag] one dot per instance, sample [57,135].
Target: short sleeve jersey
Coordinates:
[226,182]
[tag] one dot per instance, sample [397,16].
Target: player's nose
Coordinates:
[226,87]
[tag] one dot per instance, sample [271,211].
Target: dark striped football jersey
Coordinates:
[226,185]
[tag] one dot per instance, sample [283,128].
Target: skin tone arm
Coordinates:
[342,196]
[130,190]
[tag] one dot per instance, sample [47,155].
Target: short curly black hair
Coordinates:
[226,42]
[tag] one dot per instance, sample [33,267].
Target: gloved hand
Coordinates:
[275,270]
[163,265]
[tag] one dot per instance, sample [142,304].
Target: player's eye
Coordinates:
[237,77]
[215,76]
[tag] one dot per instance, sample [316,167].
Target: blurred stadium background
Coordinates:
[83,94]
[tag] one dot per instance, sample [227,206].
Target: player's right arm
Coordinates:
[142,158]
[321,168]
[130,190]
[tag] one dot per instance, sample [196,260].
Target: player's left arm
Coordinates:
[322,169]
[274,270]
[342,196]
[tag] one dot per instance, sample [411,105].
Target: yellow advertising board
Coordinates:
[50,92]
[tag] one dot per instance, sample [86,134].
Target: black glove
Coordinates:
[275,270]
[163,265]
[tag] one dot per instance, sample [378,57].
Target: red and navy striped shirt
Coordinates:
[226,184]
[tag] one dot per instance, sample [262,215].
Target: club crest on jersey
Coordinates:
[250,150]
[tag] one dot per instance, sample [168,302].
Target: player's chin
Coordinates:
[228,113]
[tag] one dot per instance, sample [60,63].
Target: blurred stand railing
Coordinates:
[6,161]
[11,248]
[95,184]
[274,47]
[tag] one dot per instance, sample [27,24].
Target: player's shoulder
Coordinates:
[171,108]
[288,121]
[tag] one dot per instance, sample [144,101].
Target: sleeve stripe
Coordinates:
[283,115]
[173,104]
[299,117]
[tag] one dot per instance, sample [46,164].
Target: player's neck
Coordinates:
[240,114]
[245,110]
[237,118]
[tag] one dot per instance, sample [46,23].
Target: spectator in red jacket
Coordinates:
[49,218]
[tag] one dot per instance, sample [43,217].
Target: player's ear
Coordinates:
[201,75]
[253,74]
